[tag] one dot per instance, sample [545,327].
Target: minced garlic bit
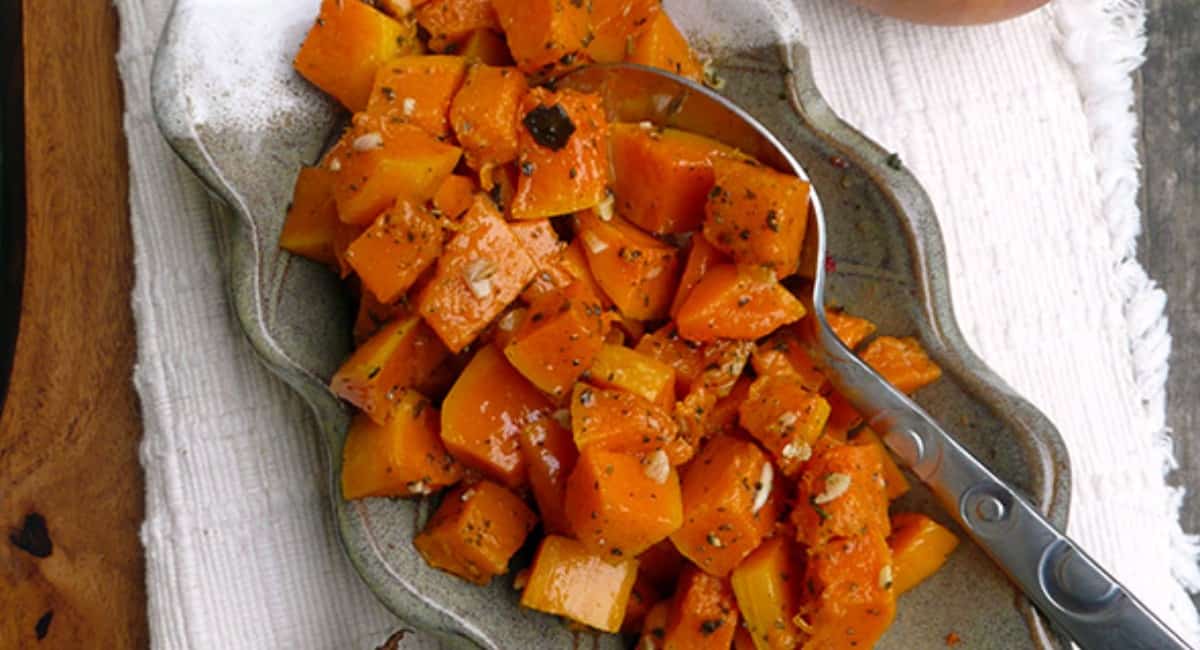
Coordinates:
[335,165]
[764,488]
[646,125]
[409,106]
[658,467]
[836,485]
[801,624]
[593,242]
[714,541]
[368,141]
[509,321]
[796,450]
[466,495]
[788,420]
[419,487]
[605,209]
[885,577]
[521,579]
[478,276]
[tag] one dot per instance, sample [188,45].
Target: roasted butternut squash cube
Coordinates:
[721,489]
[544,36]
[894,482]
[654,626]
[851,330]
[386,162]
[546,249]
[684,356]
[847,602]
[615,420]
[558,339]
[373,315]
[662,46]
[736,302]
[454,197]
[396,250]
[482,269]
[701,257]
[786,418]
[344,234]
[843,417]
[485,114]
[662,177]
[402,354]
[703,614]
[401,458]
[920,546]
[783,355]
[636,271]
[620,505]
[901,361]
[621,368]
[562,153]
[312,217]
[766,585]
[723,417]
[841,494]
[418,90]
[475,532]
[347,44]
[590,588]
[485,46]
[550,457]
[484,413]
[723,361]
[615,24]
[757,215]
[450,22]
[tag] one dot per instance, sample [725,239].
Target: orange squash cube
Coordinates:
[402,354]
[312,217]
[615,24]
[920,546]
[841,494]
[562,153]
[662,46]
[903,362]
[484,413]
[684,356]
[481,271]
[847,602]
[545,36]
[558,340]
[766,587]
[654,626]
[347,44]
[402,457]
[843,417]
[620,505]
[783,355]
[373,315]
[344,234]
[720,490]
[851,330]
[757,215]
[485,114]
[590,588]
[636,271]
[701,257]
[723,362]
[703,614]
[450,22]
[418,90]
[894,482]
[486,46]
[615,420]
[395,250]
[736,302]
[786,418]
[454,197]
[723,416]
[550,457]
[622,368]
[475,532]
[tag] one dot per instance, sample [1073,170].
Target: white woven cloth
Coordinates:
[1021,133]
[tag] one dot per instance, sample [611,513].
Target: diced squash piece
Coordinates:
[636,271]
[720,489]
[654,628]
[418,90]
[920,546]
[723,361]
[622,368]
[395,250]
[344,234]
[662,177]
[501,333]
[700,259]
[449,22]
[766,586]
[841,494]
[347,44]
[614,25]
[386,162]
[786,418]
[550,457]
[403,354]
[562,153]
[402,457]
[843,417]
[484,413]
[475,532]
[894,482]
[784,355]
[454,197]
[589,588]
[620,505]
[558,340]
[616,420]
[692,417]
[682,355]
[661,564]
[373,315]
[851,330]
[662,46]
[485,114]
[485,46]
[901,361]
[723,417]
[641,599]
[545,248]
[736,302]
[757,215]
[703,614]
[544,36]
[312,217]
[481,270]
[848,604]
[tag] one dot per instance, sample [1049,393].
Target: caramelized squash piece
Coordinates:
[485,46]
[920,546]
[312,217]
[851,330]
[701,257]
[766,585]
[901,361]
[662,46]
[848,603]
[620,505]
[485,115]
[786,418]
[703,614]
[396,250]
[616,420]
[782,354]
[654,627]
[619,367]
[684,356]
[841,494]
[550,457]
[450,22]
[661,564]
[615,24]
[454,197]
[402,354]
[641,599]
[544,36]
[757,215]
[418,90]
[558,339]
[894,482]
[475,532]
[562,153]
[373,315]
[636,271]
[736,302]
[587,587]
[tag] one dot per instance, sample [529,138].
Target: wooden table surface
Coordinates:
[70,484]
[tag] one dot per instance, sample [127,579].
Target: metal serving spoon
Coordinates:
[1066,585]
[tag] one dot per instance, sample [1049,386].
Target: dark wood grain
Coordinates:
[1169,106]
[71,498]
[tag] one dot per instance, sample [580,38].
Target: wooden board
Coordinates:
[69,427]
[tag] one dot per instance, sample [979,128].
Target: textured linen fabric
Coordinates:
[1032,197]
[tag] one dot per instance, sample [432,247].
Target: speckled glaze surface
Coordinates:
[228,101]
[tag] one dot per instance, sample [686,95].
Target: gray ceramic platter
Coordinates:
[229,103]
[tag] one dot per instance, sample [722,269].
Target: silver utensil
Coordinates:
[1065,585]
